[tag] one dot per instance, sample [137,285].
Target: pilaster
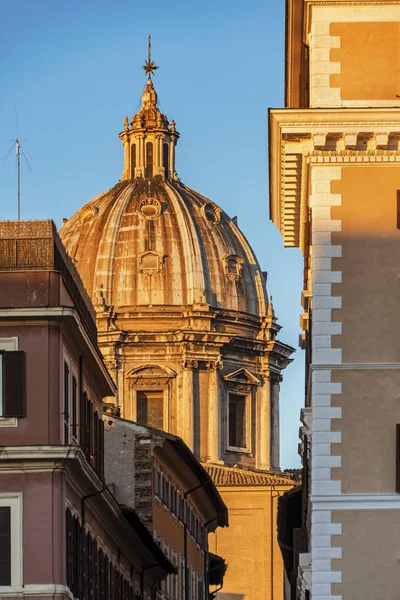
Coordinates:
[186,404]
[275,380]
[214,412]
[264,416]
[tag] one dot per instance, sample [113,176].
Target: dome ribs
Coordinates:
[174,255]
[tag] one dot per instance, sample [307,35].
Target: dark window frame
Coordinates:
[143,397]
[233,444]
[5,546]
[13,384]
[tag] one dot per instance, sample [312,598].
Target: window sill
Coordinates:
[8,422]
[238,450]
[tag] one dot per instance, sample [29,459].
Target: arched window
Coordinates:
[165,159]
[149,159]
[133,160]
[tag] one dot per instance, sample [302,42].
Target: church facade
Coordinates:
[185,324]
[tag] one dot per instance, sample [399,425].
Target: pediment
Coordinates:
[150,261]
[242,376]
[150,375]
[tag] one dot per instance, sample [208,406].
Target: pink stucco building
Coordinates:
[62,533]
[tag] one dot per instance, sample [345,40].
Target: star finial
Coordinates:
[149,66]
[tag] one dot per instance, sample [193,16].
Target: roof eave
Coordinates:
[205,479]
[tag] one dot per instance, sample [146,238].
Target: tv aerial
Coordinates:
[18,150]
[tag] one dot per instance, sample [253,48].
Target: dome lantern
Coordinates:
[149,139]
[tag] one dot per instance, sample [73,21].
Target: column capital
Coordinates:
[190,364]
[214,365]
[272,376]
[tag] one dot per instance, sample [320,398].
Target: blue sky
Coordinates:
[72,69]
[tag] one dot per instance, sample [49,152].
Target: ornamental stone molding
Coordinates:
[150,376]
[190,363]
[150,208]
[318,137]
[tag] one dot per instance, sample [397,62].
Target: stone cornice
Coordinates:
[55,316]
[83,478]
[300,137]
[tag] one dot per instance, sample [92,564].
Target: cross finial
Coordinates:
[149,66]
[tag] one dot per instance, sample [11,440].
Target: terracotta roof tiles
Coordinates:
[231,476]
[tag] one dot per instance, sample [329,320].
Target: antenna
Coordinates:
[18,150]
[18,153]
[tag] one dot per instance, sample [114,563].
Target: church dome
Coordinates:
[184,322]
[152,241]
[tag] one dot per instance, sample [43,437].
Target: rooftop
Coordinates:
[231,476]
[36,246]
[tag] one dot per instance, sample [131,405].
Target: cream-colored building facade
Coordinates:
[335,181]
[188,331]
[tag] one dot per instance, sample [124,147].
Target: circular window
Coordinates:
[149,211]
[212,213]
[87,213]
[150,208]
[211,216]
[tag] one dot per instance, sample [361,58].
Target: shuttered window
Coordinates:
[174,578]
[66,403]
[83,426]
[5,545]
[90,573]
[12,384]
[74,415]
[92,434]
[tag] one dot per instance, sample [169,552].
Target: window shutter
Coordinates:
[82,419]
[95,585]
[398,459]
[96,427]
[106,578]
[89,415]
[14,384]
[70,549]
[101,446]
[101,575]
[90,432]
[76,556]
[5,545]
[66,403]
[74,408]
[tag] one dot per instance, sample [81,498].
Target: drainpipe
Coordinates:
[83,501]
[216,591]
